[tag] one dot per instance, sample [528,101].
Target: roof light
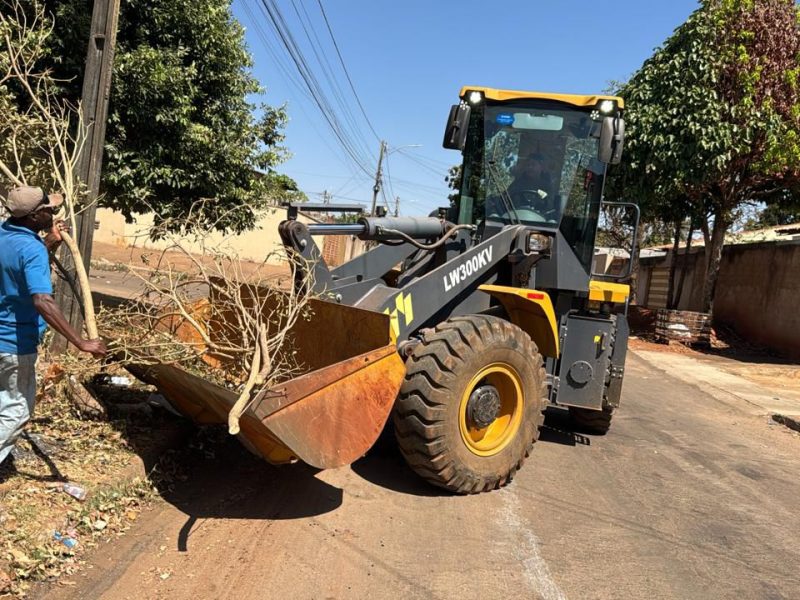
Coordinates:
[475,97]
[607,107]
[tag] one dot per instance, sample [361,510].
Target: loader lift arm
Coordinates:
[424,299]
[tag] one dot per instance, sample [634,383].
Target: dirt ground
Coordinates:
[728,351]
[45,531]
[688,497]
[109,256]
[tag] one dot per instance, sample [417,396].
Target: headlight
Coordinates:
[538,242]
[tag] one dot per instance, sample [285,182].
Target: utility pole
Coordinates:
[378,175]
[397,206]
[94,105]
[326,197]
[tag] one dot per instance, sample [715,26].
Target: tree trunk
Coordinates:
[713,259]
[684,266]
[633,280]
[673,263]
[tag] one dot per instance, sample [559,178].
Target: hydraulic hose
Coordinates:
[438,243]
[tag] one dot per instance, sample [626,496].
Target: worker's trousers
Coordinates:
[17,396]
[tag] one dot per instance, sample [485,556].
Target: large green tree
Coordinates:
[714,118]
[182,126]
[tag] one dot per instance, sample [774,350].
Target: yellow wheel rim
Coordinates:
[492,439]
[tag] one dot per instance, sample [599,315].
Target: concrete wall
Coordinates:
[758,294]
[262,242]
[758,291]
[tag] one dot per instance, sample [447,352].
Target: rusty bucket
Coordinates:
[327,416]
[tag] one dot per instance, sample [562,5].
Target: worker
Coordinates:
[26,306]
[533,183]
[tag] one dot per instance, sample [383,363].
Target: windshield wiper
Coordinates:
[504,196]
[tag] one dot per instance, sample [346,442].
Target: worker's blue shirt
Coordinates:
[24,271]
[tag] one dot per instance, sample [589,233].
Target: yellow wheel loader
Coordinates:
[463,325]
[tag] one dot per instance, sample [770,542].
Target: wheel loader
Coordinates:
[461,326]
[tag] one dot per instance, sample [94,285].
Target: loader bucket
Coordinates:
[328,415]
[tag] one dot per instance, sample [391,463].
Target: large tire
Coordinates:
[439,421]
[592,421]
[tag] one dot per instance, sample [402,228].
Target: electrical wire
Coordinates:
[327,72]
[286,37]
[286,71]
[344,68]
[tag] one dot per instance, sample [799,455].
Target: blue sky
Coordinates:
[407,60]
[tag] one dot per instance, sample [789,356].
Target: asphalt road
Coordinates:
[687,497]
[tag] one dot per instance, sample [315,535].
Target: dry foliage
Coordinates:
[60,446]
[215,319]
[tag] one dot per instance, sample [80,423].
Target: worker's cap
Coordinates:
[25,200]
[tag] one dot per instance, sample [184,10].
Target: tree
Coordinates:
[181,126]
[453,181]
[787,213]
[714,118]
[40,144]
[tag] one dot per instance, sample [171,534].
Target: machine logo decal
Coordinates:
[466,270]
[402,306]
[505,119]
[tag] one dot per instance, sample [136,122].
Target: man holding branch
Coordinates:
[27,307]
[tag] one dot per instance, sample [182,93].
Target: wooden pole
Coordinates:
[94,103]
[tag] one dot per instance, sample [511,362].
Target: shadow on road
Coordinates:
[558,428]
[218,479]
[384,466]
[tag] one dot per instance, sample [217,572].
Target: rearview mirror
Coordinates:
[612,138]
[455,134]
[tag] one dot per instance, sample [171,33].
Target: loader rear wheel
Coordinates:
[592,421]
[470,407]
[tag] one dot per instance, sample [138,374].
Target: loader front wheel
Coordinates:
[470,407]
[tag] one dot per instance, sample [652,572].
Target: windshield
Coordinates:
[534,162]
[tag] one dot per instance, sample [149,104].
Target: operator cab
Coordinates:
[537,160]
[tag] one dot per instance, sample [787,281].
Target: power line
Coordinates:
[286,70]
[344,68]
[328,72]
[280,26]
[428,159]
[433,170]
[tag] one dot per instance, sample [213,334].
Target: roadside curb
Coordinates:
[730,388]
[790,422]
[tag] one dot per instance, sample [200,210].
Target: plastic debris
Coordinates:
[68,541]
[75,491]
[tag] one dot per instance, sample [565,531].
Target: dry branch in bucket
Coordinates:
[223,319]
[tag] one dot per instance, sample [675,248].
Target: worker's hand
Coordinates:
[53,239]
[96,348]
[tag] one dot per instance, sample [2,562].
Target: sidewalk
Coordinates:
[776,391]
